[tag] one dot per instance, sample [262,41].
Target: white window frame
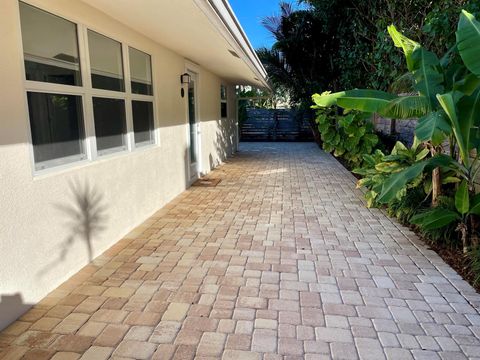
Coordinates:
[87,93]
[141,97]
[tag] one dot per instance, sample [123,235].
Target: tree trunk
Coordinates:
[436,186]
[463,229]
[436,181]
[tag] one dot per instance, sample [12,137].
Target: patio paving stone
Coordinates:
[280,260]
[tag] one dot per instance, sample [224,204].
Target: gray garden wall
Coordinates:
[402,130]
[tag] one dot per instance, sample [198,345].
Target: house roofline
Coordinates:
[219,12]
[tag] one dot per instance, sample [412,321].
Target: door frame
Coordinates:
[193,174]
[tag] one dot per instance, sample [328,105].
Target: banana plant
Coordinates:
[432,76]
[466,206]
[447,100]
[447,103]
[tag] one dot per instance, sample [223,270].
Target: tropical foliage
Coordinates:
[378,167]
[348,136]
[338,44]
[446,99]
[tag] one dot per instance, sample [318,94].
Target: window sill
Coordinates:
[87,163]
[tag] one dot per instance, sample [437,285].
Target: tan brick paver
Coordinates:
[281,260]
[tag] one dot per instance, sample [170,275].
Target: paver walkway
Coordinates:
[280,260]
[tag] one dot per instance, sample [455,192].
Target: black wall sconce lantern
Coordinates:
[184,79]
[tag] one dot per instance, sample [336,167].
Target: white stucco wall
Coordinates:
[37,213]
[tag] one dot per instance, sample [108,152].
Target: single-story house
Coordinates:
[109,110]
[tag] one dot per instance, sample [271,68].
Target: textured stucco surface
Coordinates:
[42,241]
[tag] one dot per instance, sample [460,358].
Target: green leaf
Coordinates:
[369,159]
[429,81]
[468,41]
[370,197]
[408,45]
[462,203]
[469,113]
[475,205]
[467,84]
[399,146]
[405,107]
[357,99]
[434,219]
[397,181]
[450,180]
[399,158]
[433,126]
[370,101]
[326,99]
[370,139]
[447,102]
[388,167]
[422,154]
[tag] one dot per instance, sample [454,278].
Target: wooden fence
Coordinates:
[274,125]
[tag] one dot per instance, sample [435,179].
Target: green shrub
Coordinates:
[378,167]
[446,235]
[407,206]
[348,136]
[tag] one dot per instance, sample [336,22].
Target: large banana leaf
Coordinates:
[447,102]
[469,113]
[462,203]
[468,41]
[475,205]
[399,180]
[326,99]
[433,127]
[405,107]
[407,45]
[467,84]
[357,99]
[435,219]
[428,78]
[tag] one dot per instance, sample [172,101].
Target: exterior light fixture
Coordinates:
[184,79]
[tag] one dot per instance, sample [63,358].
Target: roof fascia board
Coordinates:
[223,18]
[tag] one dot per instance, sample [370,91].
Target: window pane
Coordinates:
[140,72]
[223,101]
[105,62]
[110,125]
[56,122]
[223,109]
[143,121]
[50,47]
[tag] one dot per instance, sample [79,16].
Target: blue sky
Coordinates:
[250,13]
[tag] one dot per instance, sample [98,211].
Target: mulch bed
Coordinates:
[456,259]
